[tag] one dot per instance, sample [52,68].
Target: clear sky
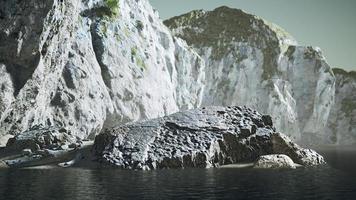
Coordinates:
[328,24]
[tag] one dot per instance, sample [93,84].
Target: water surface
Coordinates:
[335,182]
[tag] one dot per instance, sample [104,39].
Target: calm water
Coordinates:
[336,182]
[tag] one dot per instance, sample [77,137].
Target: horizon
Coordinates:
[333,32]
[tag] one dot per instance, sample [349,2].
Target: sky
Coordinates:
[328,24]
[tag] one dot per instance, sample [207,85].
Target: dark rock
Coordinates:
[72,145]
[38,138]
[267,120]
[185,139]
[283,145]
[26,152]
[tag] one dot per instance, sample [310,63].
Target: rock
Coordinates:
[87,66]
[274,161]
[73,145]
[39,138]
[252,62]
[202,138]
[3,164]
[27,152]
[70,163]
[267,120]
[341,126]
[306,157]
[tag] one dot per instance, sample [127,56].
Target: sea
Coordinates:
[335,181]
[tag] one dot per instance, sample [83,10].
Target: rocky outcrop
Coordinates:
[43,138]
[252,62]
[275,161]
[203,138]
[341,127]
[89,65]
[284,145]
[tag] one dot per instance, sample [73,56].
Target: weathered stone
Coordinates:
[274,161]
[40,138]
[27,152]
[195,138]
[73,145]
[80,65]
[267,120]
[283,145]
[3,164]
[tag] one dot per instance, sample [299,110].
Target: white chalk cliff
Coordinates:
[88,65]
[252,62]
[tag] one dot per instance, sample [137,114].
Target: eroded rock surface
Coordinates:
[206,137]
[275,161]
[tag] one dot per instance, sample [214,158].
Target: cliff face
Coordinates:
[252,62]
[87,64]
[341,127]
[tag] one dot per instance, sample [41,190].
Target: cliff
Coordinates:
[341,128]
[87,65]
[252,62]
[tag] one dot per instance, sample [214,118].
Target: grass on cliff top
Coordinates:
[110,9]
[350,74]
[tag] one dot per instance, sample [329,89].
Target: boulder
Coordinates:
[37,138]
[283,145]
[27,152]
[274,161]
[3,164]
[202,138]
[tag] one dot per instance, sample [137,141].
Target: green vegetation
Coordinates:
[136,58]
[224,29]
[126,32]
[118,38]
[134,51]
[113,6]
[351,74]
[104,28]
[109,10]
[141,63]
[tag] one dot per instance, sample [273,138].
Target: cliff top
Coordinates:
[350,74]
[225,23]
